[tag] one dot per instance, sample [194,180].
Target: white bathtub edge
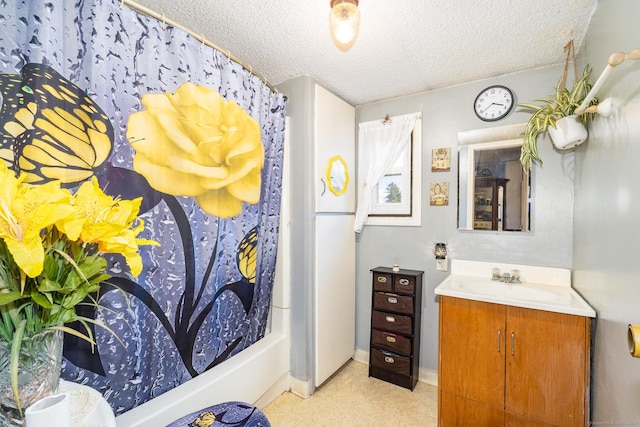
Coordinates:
[245,377]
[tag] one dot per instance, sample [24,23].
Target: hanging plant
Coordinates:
[547,112]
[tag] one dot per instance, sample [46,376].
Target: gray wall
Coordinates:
[607,208]
[445,113]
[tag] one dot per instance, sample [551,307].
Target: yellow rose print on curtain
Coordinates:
[194,143]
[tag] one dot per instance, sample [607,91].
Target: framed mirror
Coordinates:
[337,175]
[494,192]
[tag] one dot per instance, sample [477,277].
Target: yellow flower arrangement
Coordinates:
[51,253]
[51,246]
[194,143]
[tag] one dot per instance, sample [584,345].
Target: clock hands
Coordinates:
[491,105]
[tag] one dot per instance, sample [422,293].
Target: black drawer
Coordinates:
[390,341]
[405,285]
[393,302]
[391,322]
[382,282]
[390,361]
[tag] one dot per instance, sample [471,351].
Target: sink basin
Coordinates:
[546,289]
[508,291]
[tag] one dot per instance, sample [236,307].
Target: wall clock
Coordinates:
[493,103]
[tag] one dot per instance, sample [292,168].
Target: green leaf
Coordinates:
[73,299]
[15,361]
[47,285]
[42,300]
[9,297]
[63,315]
[79,295]
[92,266]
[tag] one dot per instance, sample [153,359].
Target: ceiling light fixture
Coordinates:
[344,22]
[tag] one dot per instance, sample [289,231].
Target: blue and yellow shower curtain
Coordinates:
[93,88]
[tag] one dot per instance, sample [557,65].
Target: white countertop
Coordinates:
[542,288]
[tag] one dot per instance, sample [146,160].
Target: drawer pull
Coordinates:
[390,319]
[389,359]
[382,279]
[392,300]
[403,282]
[391,339]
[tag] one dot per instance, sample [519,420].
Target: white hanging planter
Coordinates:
[568,133]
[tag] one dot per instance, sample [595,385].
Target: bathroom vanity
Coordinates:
[512,354]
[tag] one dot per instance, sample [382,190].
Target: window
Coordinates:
[392,195]
[395,200]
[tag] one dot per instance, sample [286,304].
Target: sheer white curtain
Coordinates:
[383,143]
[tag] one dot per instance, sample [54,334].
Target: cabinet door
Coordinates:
[456,411]
[334,294]
[335,153]
[512,420]
[547,369]
[472,350]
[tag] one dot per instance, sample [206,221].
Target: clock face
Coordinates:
[493,103]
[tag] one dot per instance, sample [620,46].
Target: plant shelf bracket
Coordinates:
[615,59]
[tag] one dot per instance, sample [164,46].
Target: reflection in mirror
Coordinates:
[494,191]
[337,175]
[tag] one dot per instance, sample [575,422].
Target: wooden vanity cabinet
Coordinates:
[504,365]
[394,353]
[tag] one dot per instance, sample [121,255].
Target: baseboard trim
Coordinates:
[282,385]
[428,376]
[301,388]
[361,356]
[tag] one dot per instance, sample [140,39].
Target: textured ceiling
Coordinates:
[404,46]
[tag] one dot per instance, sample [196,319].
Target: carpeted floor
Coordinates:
[352,399]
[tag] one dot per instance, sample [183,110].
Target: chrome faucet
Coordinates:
[508,278]
[514,277]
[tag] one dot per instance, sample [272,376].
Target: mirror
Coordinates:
[493,189]
[337,175]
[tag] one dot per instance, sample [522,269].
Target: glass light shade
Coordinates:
[344,23]
[440,251]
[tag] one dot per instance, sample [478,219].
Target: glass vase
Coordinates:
[38,374]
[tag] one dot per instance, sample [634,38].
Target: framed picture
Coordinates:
[441,160]
[439,193]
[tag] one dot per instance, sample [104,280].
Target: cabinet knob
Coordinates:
[403,281]
[390,319]
[382,279]
[392,300]
[389,359]
[391,339]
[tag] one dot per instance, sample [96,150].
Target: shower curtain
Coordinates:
[93,88]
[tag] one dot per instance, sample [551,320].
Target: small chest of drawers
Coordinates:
[394,353]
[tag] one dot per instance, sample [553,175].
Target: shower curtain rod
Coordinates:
[165,21]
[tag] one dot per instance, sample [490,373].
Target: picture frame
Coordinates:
[441,159]
[439,193]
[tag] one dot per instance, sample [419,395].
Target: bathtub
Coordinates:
[256,375]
